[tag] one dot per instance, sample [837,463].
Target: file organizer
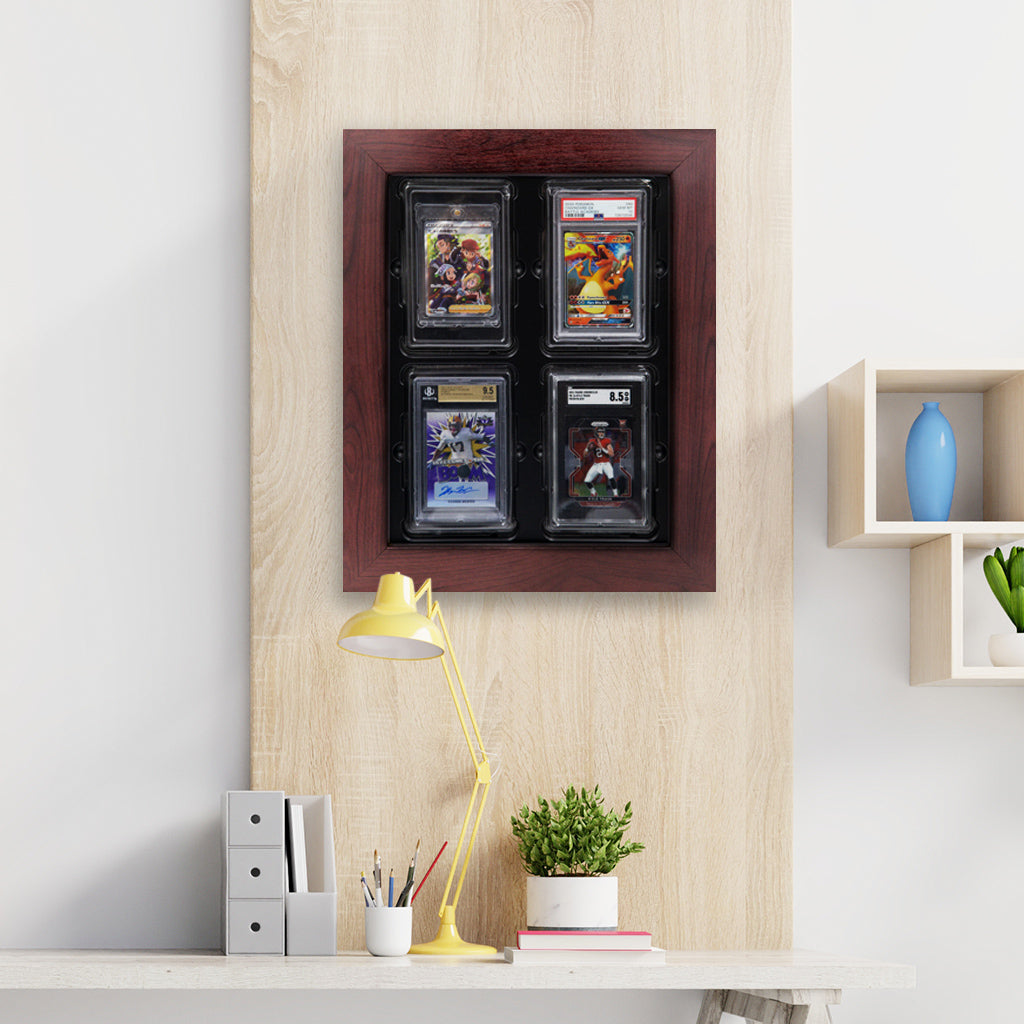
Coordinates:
[311,918]
[254,872]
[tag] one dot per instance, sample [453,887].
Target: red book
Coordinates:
[583,940]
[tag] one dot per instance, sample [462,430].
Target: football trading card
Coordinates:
[599,286]
[597,261]
[461,447]
[459,268]
[598,460]
[460,453]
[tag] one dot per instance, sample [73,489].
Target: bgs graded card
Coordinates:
[598,262]
[597,454]
[456,263]
[460,452]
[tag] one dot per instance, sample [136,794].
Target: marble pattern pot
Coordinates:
[577,903]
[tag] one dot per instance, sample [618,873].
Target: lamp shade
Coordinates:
[392,628]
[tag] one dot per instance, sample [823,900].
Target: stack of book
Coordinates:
[582,947]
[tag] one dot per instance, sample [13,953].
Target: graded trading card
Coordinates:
[600,278]
[459,269]
[455,265]
[461,453]
[598,456]
[599,459]
[461,447]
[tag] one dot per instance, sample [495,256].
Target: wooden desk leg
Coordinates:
[809,1006]
[711,1007]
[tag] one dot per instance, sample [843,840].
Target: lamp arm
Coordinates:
[472,838]
[482,782]
[478,753]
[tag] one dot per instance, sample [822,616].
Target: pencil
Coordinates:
[403,898]
[391,888]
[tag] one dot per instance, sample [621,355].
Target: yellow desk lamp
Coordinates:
[393,628]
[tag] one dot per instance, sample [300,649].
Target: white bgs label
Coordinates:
[590,208]
[599,396]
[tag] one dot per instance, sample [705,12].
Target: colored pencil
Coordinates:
[431,868]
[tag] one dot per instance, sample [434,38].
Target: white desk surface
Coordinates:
[209,969]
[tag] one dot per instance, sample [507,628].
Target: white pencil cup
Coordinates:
[388,930]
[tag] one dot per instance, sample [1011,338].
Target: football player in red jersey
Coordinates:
[602,451]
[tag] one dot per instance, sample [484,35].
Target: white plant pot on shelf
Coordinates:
[1006,649]
[561,902]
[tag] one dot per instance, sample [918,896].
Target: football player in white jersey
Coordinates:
[457,445]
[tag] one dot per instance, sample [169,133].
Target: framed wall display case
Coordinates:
[529,359]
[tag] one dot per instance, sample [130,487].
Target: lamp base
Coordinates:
[448,943]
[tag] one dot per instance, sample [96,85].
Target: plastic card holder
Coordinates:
[597,457]
[456,264]
[459,452]
[599,267]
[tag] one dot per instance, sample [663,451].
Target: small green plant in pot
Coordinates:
[1005,576]
[568,846]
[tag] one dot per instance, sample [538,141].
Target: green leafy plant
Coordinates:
[1006,578]
[572,836]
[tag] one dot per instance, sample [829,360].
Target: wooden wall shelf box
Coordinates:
[936,557]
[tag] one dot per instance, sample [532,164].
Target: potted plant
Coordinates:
[1006,578]
[568,847]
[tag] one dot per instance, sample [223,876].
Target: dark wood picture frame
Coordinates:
[687,561]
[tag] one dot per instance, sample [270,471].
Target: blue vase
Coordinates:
[931,465]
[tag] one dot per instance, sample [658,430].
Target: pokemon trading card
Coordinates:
[458,267]
[598,275]
[454,263]
[598,457]
[460,453]
[599,286]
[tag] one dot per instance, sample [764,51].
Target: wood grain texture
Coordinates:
[936,609]
[850,476]
[681,703]
[1003,445]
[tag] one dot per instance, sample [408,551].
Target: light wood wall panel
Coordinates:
[680,703]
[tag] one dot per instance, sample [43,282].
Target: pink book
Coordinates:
[535,939]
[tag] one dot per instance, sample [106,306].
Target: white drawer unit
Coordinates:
[256,926]
[254,872]
[255,819]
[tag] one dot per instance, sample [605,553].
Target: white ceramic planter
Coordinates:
[560,902]
[1006,649]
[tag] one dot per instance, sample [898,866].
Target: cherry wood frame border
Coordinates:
[687,562]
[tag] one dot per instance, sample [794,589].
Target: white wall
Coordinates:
[908,215]
[124,547]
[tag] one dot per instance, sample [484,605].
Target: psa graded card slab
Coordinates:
[460,453]
[456,264]
[598,452]
[598,263]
